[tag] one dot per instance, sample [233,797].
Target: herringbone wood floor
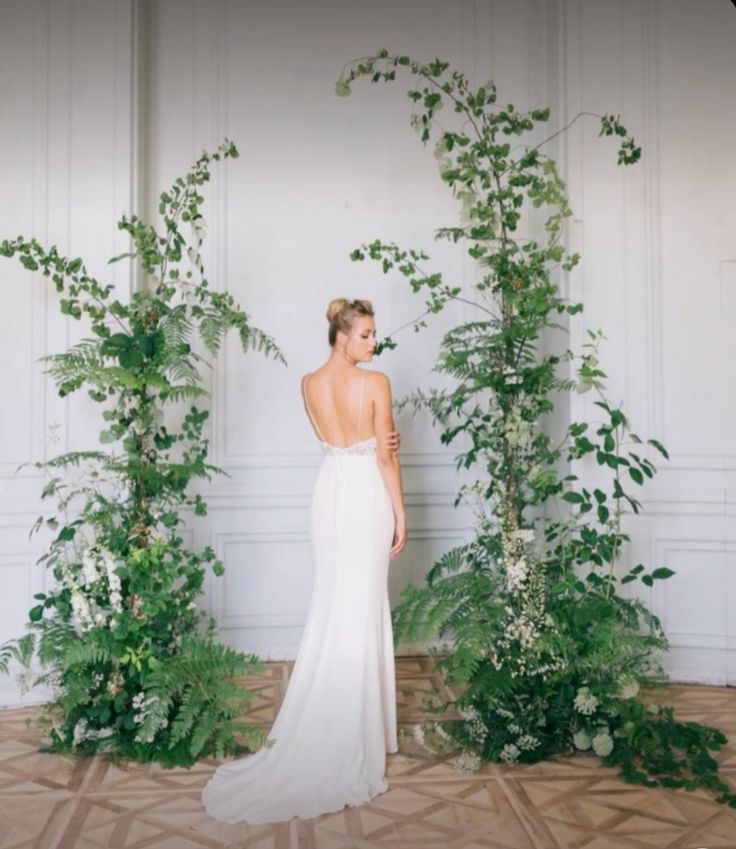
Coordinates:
[53,802]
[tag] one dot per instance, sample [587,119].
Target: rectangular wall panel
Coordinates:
[66,142]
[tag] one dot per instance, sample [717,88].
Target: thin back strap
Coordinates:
[309,412]
[360,403]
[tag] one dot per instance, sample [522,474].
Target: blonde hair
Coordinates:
[341,313]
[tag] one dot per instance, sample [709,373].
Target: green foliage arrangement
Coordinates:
[133,665]
[546,652]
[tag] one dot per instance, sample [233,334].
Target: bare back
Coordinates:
[339,405]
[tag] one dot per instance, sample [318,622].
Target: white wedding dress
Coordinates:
[338,717]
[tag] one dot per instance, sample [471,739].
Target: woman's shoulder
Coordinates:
[314,373]
[376,378]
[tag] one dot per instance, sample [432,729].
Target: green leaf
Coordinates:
[573,497]
[658,445]
[662,572]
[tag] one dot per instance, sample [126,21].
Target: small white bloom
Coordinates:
[418,734]
[188,293]
[527,742]
[89,568]
[86,535]
[80,731]
[581,740]
[603,744]
[516,574]
[81,613]
[585,702]
[440,731]
[466,762]
[510,753]
[444,164]
[199,227]
[629,688]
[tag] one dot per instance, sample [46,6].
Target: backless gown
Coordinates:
[338,716]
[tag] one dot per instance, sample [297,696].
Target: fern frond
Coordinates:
[72,458]
[180,392]
[182,369]
[255,339]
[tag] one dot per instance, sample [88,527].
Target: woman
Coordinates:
[338,717]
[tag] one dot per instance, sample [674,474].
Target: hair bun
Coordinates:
[335,306]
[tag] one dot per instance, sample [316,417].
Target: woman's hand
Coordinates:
[393,440]
[400,536]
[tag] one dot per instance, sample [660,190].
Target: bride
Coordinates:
[327,747]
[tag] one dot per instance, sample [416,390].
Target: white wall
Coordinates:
[658,275]
[318,175]
[66,122]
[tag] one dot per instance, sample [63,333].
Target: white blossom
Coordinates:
[516,574]
[80,731]
[603,744]
[188,292]
[86,535]
[81,613]
[199,227]
[585,702]
[527,742]
[628,688]
[440,149]
[466,762]
[90,573]
[510,753]
[581,740]
[440,731]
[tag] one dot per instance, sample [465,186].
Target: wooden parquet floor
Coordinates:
[56,802]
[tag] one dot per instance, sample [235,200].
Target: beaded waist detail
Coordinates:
[365,446]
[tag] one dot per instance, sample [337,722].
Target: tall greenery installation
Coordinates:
[545,652]
[133,664]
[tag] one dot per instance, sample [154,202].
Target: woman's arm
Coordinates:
[388,461]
